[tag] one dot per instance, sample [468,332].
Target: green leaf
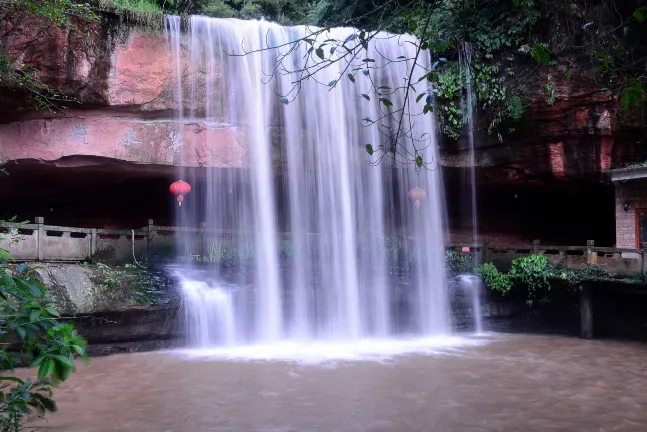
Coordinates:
[425,76]
[320,53]
[419,97]
[367,97]
[639,13]
[541,54]
[285,100]
[568,74]
[21,332]
[52,312]
[368,60]
[351,77]
[79,349]
[44,369]
[386,102]
[33,316]
[27,287]
[38,360]
[419,161]
[10,378]
[384,87]
[369,149]
[64,360]
[47,403]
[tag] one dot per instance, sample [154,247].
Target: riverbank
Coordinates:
[107,305]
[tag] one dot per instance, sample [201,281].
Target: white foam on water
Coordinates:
[321,351]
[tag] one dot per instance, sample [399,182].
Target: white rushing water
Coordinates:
[305,252]
[474,286]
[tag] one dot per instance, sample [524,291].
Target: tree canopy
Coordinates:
[500,55]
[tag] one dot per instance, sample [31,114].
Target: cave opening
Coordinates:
[106,193]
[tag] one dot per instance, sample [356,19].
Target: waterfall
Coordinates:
[474,286]
[312,241]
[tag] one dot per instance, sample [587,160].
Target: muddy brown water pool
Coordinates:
[510,383]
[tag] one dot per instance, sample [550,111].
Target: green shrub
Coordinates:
[31,331]
[494,279]
[532,272]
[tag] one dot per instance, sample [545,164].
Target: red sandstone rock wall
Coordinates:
[578,137]
[124,78]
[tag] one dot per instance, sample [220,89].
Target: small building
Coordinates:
[630,206]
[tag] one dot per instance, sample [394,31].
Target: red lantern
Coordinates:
[416,194]
[179,189]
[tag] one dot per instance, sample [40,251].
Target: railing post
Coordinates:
[586,311]
[484,252]
[149,240]
[591,257]
[93,242]
[203,239]
[535,246]
[40,221]
[562,260]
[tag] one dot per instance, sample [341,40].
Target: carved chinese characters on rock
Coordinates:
[80,133]
[176,142]
[129,138]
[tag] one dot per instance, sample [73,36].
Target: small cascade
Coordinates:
[208,314]
[475,288]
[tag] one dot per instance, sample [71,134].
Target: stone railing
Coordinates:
[616,260]
[40,242]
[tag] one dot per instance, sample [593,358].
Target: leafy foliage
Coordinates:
[500,54]
[129,281]
[532,272]
[31,331]
[494,279]
[286,12]
[56,11]
[17,75]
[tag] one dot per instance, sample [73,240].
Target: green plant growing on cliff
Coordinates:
[31,332]
[532,272]
[15,74]
[494,279]
[499,50]
[135,282]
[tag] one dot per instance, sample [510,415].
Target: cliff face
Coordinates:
[124,77]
